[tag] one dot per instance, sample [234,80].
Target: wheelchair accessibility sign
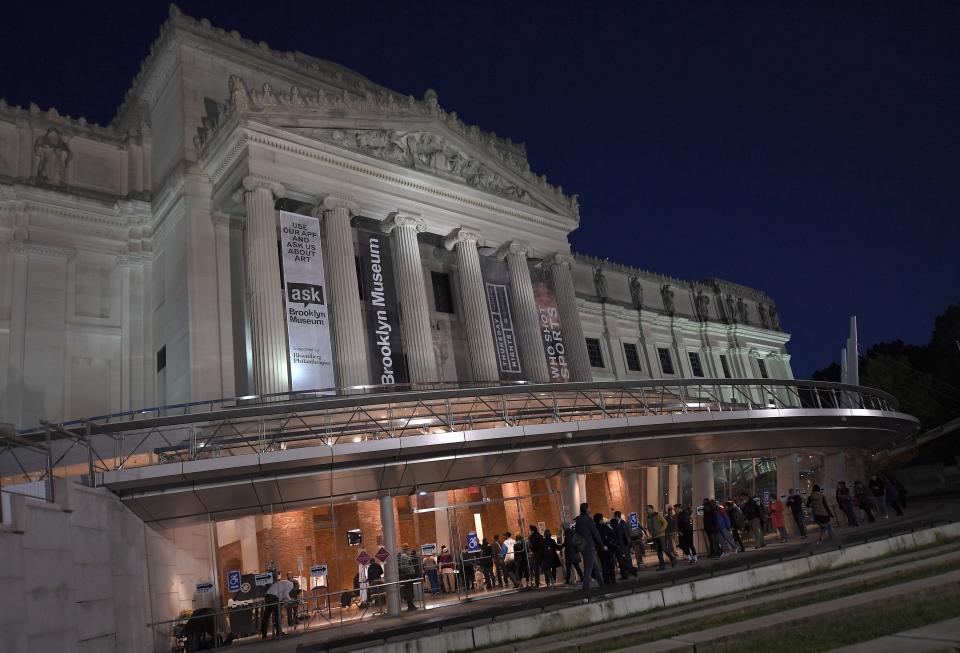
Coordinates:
[634,521]
[473,542]
[233,581]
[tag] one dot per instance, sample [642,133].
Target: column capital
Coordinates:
[461,235]
[253,182]
[404,219]
[515,247]
[331,202]
[560,258]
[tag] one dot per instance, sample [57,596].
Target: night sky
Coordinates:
[810,150]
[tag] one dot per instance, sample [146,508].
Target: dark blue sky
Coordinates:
[811,150]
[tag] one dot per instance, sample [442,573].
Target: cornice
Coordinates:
[40,249]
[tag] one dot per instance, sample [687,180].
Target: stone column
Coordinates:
[525,316]
[570,493]
[702,481]
[476,316]
[834,469]
[349,347]
[442,518]
[788,477]
[673,484]
[391,571]
[421,361]
[652,495]
[573,340]
[270,371]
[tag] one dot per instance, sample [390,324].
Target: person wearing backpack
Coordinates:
[592,544]
[822,514]
[573,544]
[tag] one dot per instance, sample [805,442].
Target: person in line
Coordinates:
[845,503]
[657,527]
[892,495]
[571,556]
[535,555]
[497,548]
[407,569]
[277,593]
[711,528]
[624,543]
[431,571]
[777,517]
[737,524]
[822,514]
[293,606]
[753,515]
[671,518]
[795,503]
[486,563]
[509,562]
[608,557]
[685,532]
[448,570]
[551,558]
[724,526]
[878,490]
[521,562]
[864,501]
[586,528]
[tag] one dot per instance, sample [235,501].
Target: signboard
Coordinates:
[354,537]
[766,497]
[473,543]
[205,587]
[382,554]
[551,332]
[428,549]
[263,580]
[308,322]
[363,557]
[699,511]
[634,520]
[380,295]
[496,279]
[318,571]
[233,580]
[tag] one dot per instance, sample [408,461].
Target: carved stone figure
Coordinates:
[53,155]
[703,306]
[742,311]
[774,319]
[600,283]
[636,293]
[667,294]
[731,309]
[762,312]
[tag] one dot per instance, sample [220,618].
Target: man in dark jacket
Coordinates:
[535,547]
[711,528]
[878,490]
[607,556]
[753,515]
[585,528]
[623,546]
[795,503]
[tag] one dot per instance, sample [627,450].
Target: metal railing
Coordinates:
[259,424]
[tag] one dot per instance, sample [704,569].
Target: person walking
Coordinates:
[624,543]
[822,514]
[509,563]
[845,503]
[521,561]
[892,495]
[711,528]
[753,515]
[586,528]
[486,563]
[671,518]
[685,533]
[878,490]
[657,528]
[777,517]
[795,504]
[571,555]
[864,501]
[723,524]
[497,548]
[551,558]
[737,524]
[608,557]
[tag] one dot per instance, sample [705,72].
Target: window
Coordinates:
[442,294]
[726,367]
[695,365]
[763,368]
[594,352]
[632,356]
[161,358]
[666,363]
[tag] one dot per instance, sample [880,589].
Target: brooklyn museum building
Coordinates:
[278,318]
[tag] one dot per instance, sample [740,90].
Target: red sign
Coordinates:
[363,557]
[382,554]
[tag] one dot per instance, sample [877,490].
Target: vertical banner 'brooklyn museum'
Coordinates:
[551,332]
[496,281]
[308,321]
[387,363]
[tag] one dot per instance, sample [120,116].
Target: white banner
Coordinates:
[308,321]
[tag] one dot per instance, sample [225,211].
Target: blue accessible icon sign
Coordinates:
[233,580]
[473,542]
[634,521]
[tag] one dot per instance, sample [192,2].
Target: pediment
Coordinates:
[398,130]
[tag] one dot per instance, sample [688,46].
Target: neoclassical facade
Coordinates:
[140,265]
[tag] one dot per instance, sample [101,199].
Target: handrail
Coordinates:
[280,403]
